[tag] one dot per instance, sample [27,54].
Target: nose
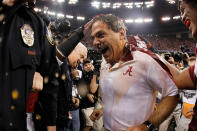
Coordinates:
[183,17]
[96,42]
[89,66]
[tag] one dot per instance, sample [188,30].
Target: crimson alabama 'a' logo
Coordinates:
[128,71]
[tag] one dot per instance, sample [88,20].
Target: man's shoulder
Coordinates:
[142,57]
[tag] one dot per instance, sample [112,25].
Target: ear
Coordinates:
[122,34]
[72,54]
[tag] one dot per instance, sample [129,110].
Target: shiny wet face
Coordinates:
[77,56]
[109,43]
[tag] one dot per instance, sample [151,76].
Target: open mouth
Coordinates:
[187,23]
[103,48]
[103,51]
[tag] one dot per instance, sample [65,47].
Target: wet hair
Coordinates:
[193,2]
[113,22]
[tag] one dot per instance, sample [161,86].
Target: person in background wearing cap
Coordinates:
[93,97]
[129,79]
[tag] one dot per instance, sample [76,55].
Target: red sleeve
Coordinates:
[33,97]
[192,75]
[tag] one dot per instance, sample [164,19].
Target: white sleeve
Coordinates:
[160,80]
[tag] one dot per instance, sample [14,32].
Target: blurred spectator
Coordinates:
[90,75]
[171,43]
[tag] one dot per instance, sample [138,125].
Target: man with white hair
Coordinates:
[65,99]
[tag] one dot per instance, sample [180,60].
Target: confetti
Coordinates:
[46,79]
[63,77]
[15,94]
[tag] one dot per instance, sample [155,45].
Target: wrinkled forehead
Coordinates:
[97,26]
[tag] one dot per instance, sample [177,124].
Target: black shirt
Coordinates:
[19,59]
[64,94]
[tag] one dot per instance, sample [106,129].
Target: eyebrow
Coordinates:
[82,56]
[97,33]
[100,32]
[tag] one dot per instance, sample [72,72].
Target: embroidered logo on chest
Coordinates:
[128,71]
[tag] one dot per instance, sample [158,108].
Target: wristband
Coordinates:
[149,125]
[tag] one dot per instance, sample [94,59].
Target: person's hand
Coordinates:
[189,113]
[56,42]
[37,82]
[96,114]
[86,27]
[51,128]
[75,102]
[141,127]
[8,2]
[91,98]
[92,67]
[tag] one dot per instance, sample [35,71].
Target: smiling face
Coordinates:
[88,67]
[189,16]
[110,43]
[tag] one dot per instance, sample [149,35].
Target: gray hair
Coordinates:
[113,22]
